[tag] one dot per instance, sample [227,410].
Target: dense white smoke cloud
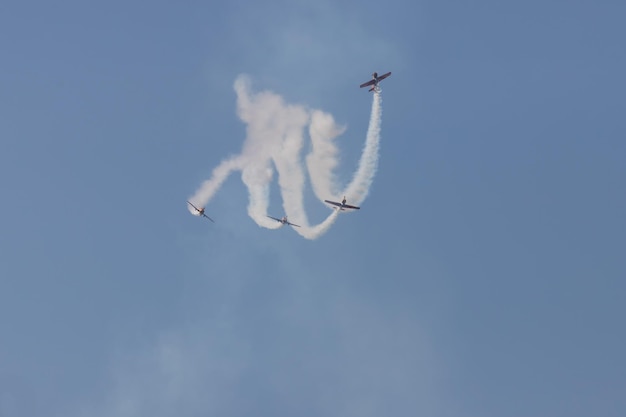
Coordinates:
[275,138]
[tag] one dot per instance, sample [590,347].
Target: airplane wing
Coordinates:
[292,224]
[370,82]
[382,77]
[208,217]
[274,218]
[193,206]
[342,206]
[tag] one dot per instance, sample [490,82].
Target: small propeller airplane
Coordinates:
[283,220]
[374,81]
[200,211]
[342,205]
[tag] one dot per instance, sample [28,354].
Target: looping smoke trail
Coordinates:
[274,140]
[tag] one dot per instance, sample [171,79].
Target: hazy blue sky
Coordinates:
[484,275]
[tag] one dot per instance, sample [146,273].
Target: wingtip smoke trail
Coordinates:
[274,140]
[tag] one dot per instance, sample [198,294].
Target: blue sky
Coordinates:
[483,276]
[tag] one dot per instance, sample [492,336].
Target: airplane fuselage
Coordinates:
[375,80]
[200,211]
[342,206]
[283,221]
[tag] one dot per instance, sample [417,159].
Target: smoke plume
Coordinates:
[275,138]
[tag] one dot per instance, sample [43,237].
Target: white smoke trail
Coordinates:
[323,159]
[364,176]
[210,186]
[274,140]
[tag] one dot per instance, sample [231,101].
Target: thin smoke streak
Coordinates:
[364,176]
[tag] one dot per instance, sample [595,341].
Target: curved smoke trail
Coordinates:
[274,140]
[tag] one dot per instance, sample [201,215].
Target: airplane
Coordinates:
[283,220]
[342,205]
[374,81]
[200,211]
